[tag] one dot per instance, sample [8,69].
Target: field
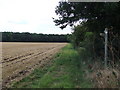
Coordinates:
[19,59]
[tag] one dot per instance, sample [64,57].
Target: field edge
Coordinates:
[65,70]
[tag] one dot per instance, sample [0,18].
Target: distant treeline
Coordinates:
[32,37]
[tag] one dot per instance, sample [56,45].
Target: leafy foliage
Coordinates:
[97,15]
[93,17]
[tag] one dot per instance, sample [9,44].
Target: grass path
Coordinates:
[64,71]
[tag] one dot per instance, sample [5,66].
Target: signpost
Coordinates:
[106,42]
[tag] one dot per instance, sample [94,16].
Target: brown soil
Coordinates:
[19,59]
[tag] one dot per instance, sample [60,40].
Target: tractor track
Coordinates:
[16,68]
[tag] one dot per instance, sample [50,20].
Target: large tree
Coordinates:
[97,15]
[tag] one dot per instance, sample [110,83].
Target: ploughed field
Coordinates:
[19,59]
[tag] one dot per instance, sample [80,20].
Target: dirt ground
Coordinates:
[19,59]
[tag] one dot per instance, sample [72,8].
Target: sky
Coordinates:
[34,16]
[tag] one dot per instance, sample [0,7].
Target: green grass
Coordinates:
[65,71]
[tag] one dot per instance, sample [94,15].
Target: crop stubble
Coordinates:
[19,59]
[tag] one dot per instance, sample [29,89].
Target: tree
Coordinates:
[32,37]
[97,15]
[94,17]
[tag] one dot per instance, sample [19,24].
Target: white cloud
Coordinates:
[29,16]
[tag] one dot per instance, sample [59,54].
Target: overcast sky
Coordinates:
[34,16]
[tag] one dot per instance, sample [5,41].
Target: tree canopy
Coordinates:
[97,15]
[93,18]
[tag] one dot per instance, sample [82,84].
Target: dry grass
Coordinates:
[105,78]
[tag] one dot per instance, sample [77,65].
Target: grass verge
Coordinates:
[65,71]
